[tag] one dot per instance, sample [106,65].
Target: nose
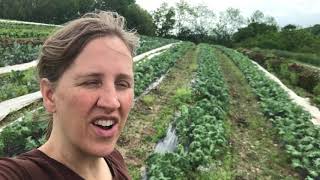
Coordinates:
[108,99]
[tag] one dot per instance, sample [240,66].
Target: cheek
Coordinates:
[77,102]
[127,102]
[130,99]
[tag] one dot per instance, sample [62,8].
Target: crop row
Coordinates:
[13,30]
[10,25]
[149,43]
[200,125]
[18,83]
[18,54]
[149,70]
[25,33]
[29,133]
[299,137]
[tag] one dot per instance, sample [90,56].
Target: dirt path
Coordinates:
[150,117]
[253,152]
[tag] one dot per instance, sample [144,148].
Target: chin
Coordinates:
[102,151]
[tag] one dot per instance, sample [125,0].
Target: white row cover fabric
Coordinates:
[18,67]
[25,22]
[303,102]
[17,103]
[149,53]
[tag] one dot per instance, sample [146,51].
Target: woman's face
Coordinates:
[94,96]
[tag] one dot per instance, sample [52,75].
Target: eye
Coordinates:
[92,83]
[123,84]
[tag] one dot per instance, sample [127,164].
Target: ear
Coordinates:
[47,91]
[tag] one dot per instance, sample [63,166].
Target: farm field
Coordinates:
[229,120]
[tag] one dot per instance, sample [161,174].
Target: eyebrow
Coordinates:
[80,76]
[99,75]
[125,76]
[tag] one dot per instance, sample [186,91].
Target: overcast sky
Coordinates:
[299,12]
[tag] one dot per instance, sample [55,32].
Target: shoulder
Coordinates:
[119,168]
[27,166]
[14,168]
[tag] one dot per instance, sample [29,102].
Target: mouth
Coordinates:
[105,126]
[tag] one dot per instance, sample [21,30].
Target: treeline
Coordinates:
[182,21]
[290,37]
[230,28]
[61,11]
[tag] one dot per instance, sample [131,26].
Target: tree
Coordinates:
[184,16]
[315,29]
[204,20]
[140,19]
[258,17]
[252,30]
[119,6]
[85,6]
[228,23]
[164,19]
[289,27]
[295,40]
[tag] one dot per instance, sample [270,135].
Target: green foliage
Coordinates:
[148,100]
[252,30]
[308,79]
[182,96]
[308,58]
[315,29]
[148,43]
[148,71]
[18,54]
[289,38]
[317,99]
[27,32]
[53,11]
[295,40]
[285,72]
[163,18]
[23,136]
[161,124]
[140,19]
[316,90]
[18,83]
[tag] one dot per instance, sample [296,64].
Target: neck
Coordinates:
[89,167]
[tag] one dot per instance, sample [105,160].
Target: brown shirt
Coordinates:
[36,165]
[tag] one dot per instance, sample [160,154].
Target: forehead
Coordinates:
[104,54]
[107,44]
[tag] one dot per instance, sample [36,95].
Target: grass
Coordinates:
[148,99]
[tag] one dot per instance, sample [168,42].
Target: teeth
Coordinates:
[104,122]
